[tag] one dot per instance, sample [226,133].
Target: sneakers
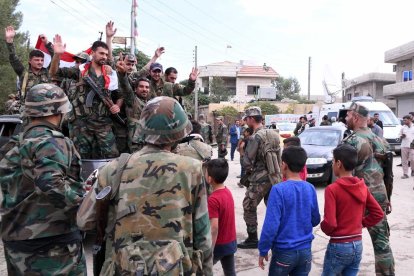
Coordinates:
[405,176]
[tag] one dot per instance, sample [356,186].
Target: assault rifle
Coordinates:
[105,98]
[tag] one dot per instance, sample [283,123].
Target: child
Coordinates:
[292,211]
[295,141]
[221,213]
[345,203]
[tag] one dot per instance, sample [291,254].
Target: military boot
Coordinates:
[250,243]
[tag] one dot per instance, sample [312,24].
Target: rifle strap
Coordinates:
[24,85]
[122,162]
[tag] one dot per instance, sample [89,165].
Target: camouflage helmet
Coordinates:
[83,56]
[46,99]
[163,121]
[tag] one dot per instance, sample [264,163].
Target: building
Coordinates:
[403,90]
[241,79]
[371,84]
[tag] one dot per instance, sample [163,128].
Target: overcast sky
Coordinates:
[341,36]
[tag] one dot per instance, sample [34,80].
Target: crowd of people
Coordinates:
[162,206]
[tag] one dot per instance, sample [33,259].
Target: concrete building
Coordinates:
[371,84]
[242,79]
[403,90]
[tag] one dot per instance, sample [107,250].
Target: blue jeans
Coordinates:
[232,150]
[342,258]
[295,262]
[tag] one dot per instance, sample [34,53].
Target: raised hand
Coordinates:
[194,74]
[110,31]
[159,51]
[9,34]
[120,65]
[58,46]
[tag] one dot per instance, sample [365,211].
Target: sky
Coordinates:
[340,36]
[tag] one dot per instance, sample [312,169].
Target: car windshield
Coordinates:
[286,127]
[387,117]
[329,138]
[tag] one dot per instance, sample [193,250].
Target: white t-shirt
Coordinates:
[409,135]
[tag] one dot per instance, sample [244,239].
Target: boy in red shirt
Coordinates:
[295,141]
[221,213]
[346,202]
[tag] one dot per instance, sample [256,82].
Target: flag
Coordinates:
[66,59]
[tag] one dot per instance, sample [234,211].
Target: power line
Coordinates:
[74,15]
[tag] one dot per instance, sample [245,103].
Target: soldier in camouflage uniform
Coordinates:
[35,74]
[93,124]
[263,148]
[11,105]
[194,145]
[368,145]
[205,132]
[158,220]
[42,187]
[221,137]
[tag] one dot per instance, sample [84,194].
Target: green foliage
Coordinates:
[290,109]
[267,107]
[228,111]
[287,88]
[189,101]
[142,59]
[9,16]
[218,91]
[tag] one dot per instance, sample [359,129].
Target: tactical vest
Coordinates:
[30,79]
[270,154]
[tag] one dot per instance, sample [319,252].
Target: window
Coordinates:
[407,75]
[348,97]
[252,89]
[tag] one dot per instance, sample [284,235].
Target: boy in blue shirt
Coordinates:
[292,212]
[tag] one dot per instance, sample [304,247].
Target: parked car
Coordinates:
[286,131]
[319,143]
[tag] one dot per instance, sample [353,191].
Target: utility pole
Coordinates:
[343,86]
[309,77]
[195,91]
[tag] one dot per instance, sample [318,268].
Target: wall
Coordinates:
[404,65]
[405,104]
[243,82]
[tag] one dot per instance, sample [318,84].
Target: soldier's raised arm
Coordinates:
[15,62]
[54,71]
[124,84]
[110,31]
[176,89]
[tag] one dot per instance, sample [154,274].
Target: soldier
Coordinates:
[158,216]
[134,103]
[261,161]
[92,121]
[160,87]
[369,146]
[194,146]
[11,106]
[205,131]
[221,137]
[38,229]
[35,74]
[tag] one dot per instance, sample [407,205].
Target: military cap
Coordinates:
[360,109]
[82,55]
[253,111]
[220,118]
[12,96]
[163,121]
[156,66]
[46,99]
[130,58]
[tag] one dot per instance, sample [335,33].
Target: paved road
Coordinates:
[401,223]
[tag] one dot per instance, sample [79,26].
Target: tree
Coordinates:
[287,88]
[189,101]
[142,59]
[9,16]
[266,107]
[218,90]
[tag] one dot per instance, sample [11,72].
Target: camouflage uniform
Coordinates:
[260,180]
[195,148]
[19,69]
[221,138]
[158,220]
[38,227]
[133,108]
[92,125]
[368,168]
[206,132]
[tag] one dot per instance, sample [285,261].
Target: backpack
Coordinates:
[270,152]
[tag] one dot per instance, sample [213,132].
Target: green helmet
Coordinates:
[46,99]
[163,121]
[82,56]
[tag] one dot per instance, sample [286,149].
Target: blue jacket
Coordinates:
[234,139]
[292,211]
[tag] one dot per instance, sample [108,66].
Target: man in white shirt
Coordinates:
[407,153]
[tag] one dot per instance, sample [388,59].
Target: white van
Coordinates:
[392,125]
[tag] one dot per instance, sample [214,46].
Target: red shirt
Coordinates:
[345,203]
[302,174]
[221,206]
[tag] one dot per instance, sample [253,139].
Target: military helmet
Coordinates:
[46,99]
[83,56]
[163,121]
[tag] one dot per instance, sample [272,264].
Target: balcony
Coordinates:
[399,89]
